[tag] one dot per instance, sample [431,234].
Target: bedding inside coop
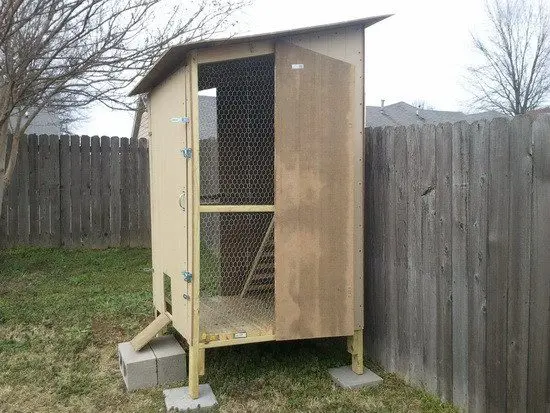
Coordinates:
[236,146]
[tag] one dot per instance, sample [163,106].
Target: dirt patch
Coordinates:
[105,331]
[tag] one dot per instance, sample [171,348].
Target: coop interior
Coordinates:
[236,146]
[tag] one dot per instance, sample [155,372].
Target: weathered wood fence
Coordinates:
[458,260]
[78,191]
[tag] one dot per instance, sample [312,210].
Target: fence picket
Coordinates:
[538,396]
[143,187]
[85,187]
[133,198]
[54,191]
[95,193]
[12,209]
[105,191]
[443,206]
[124,193]
[75,191]
[43,189]
[33,189]
[23,204]
[65,188]
[114,177]
[519,253]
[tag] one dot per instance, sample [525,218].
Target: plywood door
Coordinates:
[314,194]
[168,171]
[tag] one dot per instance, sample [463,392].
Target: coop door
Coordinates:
[314,107]
[169,201]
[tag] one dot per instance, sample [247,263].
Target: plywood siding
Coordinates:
[168,177]
[314,211]
[347,44]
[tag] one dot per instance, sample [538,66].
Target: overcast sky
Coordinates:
[420,53]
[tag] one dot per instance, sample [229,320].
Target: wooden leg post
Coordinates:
[355,347]
[202,361]
[194,361]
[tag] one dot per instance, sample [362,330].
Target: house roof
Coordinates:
[45,122]
[401,113]
[174,56]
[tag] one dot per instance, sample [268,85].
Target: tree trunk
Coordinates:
[7,163]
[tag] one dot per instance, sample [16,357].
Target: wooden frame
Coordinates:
[235,342]
[234,51]
[194,350]
[237,208]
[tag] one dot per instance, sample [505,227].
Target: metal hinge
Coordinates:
[181,119]
[187,276]
[187,152]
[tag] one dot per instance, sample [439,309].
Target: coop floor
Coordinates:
[229,318]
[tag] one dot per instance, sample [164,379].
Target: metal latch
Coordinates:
[181,119]
[186,297]
[187,152]
[187,276]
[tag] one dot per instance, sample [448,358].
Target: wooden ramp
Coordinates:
[149,332]
[262,271]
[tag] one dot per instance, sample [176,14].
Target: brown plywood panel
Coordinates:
[348,44]
[168,181]
[314,195]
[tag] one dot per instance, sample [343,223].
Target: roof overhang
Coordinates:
[173,57]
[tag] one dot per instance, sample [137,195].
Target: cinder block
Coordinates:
[346,378]
[138,368]
[178,399]
[170,359]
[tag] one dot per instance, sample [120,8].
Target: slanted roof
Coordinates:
[173,57]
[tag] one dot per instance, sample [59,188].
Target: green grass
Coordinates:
[62,313]
[210,272]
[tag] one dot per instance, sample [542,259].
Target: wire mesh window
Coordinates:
[237,272]
[236,131]
[236,115]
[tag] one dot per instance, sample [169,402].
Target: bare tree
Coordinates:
[515,74]
[62,55]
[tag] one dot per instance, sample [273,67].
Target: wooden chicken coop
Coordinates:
[256,168]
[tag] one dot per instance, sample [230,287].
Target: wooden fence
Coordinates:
[458,260]
[78,191]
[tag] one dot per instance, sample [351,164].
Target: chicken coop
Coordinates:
[256,177]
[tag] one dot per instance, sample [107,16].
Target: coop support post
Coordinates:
[355,348]
[194,347]
[202,361]
[194,371]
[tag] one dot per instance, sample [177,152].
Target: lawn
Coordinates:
[62,313]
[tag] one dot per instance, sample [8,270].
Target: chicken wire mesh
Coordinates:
[237,272]
[236,148]
[236,131]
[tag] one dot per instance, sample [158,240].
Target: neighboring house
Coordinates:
[540,110]
[45,123]
[401,113]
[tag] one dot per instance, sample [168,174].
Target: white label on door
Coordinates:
[298,66]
